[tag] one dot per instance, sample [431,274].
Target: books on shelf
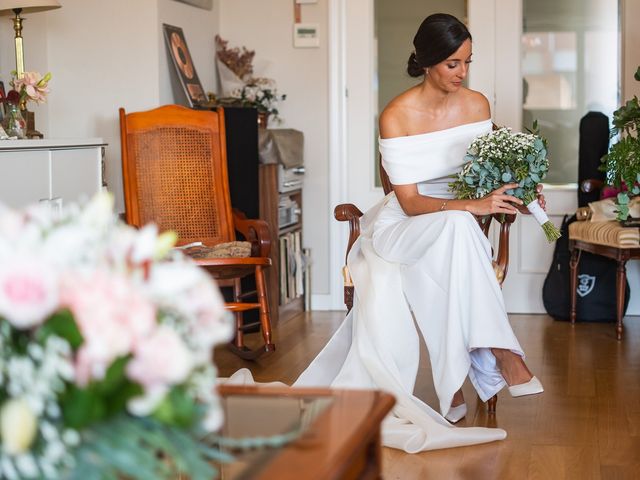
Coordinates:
[292,267]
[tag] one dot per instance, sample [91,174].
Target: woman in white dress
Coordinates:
[422,263]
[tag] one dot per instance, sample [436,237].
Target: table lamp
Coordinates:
[23,6]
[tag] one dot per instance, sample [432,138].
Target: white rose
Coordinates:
[17,426]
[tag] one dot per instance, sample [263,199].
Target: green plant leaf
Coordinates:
[81,407]
[623,198]
[61,324]
[177,408]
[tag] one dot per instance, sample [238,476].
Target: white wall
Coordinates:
[302,74]
[104,55]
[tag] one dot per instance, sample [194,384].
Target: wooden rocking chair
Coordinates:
[348,212]
[174,166]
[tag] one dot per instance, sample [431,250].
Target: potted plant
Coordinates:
[622,163]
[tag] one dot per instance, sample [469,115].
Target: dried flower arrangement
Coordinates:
[240,86]
[239,60]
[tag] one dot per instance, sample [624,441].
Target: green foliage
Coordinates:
[62,325]
[141,449]
[622,163]
[178,408]
[99,400]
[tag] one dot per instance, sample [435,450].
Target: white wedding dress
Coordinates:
[430,273]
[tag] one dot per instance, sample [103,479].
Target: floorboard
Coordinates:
[585,426]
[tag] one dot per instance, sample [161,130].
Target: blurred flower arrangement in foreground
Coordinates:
[106,336]
[238,83]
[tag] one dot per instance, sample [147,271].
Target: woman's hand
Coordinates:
[541,201]
[496,202]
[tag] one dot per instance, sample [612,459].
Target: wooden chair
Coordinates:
[347,212]
[174,167]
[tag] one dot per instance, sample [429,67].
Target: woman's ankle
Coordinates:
[458,399]
[512,366]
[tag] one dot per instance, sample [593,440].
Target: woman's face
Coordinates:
[449,74]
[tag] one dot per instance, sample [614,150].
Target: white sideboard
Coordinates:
[33,170]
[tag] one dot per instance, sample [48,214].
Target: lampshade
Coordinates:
[27,6]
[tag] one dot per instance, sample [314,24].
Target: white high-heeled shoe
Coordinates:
[455,414]
[532,387]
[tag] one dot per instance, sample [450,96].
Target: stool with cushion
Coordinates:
[600,234]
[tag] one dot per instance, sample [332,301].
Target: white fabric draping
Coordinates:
[428,156]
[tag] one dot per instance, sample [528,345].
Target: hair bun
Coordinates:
[413,68]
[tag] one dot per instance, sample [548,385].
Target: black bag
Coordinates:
[596,290]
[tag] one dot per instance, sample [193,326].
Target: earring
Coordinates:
[426,71]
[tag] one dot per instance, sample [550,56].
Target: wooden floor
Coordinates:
[586,425]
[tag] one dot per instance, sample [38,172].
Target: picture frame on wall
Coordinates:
[184,67]
[205,4]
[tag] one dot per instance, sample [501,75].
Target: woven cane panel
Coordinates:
[176,187]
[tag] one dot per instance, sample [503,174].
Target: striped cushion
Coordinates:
[605,233]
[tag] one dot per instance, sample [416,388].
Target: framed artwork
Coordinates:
[186,71]
[206,4]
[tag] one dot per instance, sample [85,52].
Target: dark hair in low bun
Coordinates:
[413,68]
[439,36]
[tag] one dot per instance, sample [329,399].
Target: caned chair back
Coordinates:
[174,164]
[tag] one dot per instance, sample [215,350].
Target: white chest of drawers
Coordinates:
[33,170]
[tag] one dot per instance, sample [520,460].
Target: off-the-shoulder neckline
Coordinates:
[435,131]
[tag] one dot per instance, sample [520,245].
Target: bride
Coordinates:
[422,263]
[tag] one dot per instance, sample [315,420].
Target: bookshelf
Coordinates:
[285,282]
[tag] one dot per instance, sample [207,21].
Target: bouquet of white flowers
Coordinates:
[500,157]
[106,336]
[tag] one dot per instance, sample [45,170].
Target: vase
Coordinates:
[14,123]
[263,119]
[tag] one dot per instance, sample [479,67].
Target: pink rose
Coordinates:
[160,360]
[112,315]
[28,292]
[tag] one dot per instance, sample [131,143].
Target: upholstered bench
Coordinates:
[611,240]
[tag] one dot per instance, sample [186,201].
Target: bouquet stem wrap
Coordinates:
[550,230]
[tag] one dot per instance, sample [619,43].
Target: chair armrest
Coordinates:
[502,259]
[591,185]
[254,231]
[348,212]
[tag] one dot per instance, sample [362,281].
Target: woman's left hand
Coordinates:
[541,201]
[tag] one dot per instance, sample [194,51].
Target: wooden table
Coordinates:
[340,437]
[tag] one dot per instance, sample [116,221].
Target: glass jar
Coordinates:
[14,123]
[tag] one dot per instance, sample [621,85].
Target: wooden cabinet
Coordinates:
[285,296]
[34,170]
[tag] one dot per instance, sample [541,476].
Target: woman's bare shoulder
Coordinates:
[476,105]
[395,117]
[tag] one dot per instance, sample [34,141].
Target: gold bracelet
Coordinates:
[444,204]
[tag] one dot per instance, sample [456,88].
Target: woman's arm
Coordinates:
[413,203]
